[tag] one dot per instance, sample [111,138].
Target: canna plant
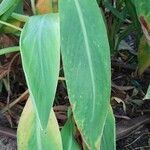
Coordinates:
[143,16]
[74,33]
[77,32]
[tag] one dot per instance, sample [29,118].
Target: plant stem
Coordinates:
[7,132]
[14,102]
[10,25]
[9,50]
[20,17]
[33,7]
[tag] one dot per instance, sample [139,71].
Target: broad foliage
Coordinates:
[80,33]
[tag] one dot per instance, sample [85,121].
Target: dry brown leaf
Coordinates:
[44,6]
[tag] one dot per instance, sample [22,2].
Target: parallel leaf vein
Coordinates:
[88,52]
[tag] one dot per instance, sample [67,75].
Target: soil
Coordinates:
[6,142]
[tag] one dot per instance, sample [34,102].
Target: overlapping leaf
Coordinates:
[31,137]
[40,52]
[109,133]
[86,59]
[6,29]
[5,5]
[68,136]
[142,9]
[6,9]
[8,6]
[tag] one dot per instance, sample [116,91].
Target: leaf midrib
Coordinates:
[88,52]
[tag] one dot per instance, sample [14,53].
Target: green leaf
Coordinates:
[31,137]
[114,11]
[86,59]
[19,8]
[142,8]
[33,7]
[6,9]
[143,55]
[109,133]
[10,26]
[9,50]
[19,17]
[132,11]
[40,52]
[68,137]
[5,5]
[147,96]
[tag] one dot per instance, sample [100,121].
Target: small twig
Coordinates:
[122,117]
[10,25]
[19,99]
[33,7]
[144,111]
[60,108]
[7,132]
[8,75]
[14,102]
[141,147]
[136,139]
[61,78]
[127,66]
[122,88]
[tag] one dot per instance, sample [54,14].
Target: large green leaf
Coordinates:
[31,137]
[40,52]
[109,133]
[68,136]
[86,59]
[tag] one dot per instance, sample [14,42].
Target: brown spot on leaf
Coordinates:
[143,22]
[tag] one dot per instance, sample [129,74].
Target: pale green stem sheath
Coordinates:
[33,7]
[9,50]
[10,25]
[20,17]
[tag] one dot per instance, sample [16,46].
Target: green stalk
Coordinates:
[9,50]
[33,7]
[10,25]
[20,17]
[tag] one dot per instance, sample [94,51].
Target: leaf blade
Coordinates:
[41,60]
[109,133]
[34,138]
[86,59]
[5,5]
[68,137]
